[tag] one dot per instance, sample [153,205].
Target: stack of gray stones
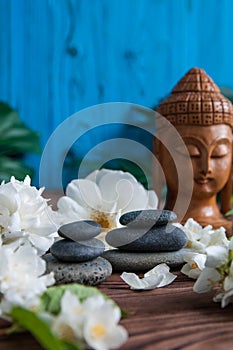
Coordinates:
[147,239]
[76,257]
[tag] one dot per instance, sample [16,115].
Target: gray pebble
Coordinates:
[89,273]
[147,218]
[161,238]
[132,262]
[80,230]
[66,250]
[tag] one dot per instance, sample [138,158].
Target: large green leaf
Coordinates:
[31,322]
[16,140]
[51,299]
[13,167]
[15,136]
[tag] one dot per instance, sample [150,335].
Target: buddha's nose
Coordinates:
[205,164]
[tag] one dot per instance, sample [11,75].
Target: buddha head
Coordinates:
[204,119]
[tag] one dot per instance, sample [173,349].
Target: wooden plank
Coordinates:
[173,317]
[167,318]
[58,57]
[5,56]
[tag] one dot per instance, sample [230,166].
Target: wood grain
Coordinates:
[58,57]
[168,318]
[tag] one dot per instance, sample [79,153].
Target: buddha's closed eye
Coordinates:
[220,151]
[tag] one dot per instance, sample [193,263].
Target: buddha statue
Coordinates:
[204,119]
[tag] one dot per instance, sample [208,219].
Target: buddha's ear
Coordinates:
[226,194]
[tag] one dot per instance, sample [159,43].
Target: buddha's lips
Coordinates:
[203,180]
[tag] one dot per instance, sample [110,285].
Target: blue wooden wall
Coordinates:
[59,56]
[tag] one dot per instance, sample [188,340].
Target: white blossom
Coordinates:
[216,256]
[195,264]
[104,196]
[25,215]
[207,280]
[95,322]
[22,278]
[101,330]
[199,238]
[69,323]
[218,273]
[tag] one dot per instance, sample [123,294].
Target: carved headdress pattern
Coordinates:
[196,100]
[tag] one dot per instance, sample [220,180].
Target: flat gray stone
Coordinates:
[66,250]
[89,273]
[161,238]
[147,218]
[131,262]
[80,230]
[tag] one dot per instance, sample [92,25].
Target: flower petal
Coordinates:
[216,256]
[162,270]
[117,187]
[132,280]
[158,269]
[208,278]
[85,192]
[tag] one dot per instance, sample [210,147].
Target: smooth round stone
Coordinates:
[147,218]
[89,273]
[66,250]
[80,230]
[161,238]
[130,261]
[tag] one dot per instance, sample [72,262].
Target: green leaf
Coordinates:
[13,167]
[40,330]
[50,301]
[51,298]
[16,139]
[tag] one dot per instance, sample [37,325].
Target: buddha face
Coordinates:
[210,150]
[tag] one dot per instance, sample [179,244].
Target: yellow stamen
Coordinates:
[98,330]
[106,220]
[194,265]
[189,245]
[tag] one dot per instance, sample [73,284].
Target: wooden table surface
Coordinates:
[173,317]
[169,318]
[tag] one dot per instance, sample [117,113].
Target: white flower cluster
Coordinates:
[21,277]
[25,216]
[27,230]
[93,322]
[210,261]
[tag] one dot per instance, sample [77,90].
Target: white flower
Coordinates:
[199,238]
[216,256]
[25,215]
[21,277]
[225,295]
[69,324]
[103,196]
[194,233]
[94,321]
[101,330]
[216,237]
[195,264]
[158,277]
[208,279]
